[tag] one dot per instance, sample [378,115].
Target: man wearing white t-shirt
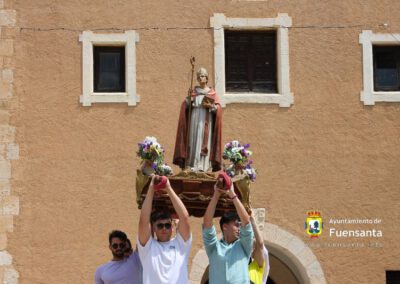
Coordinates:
[164,259]
[121,269]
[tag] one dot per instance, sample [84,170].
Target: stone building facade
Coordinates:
[9,149]
[326,138]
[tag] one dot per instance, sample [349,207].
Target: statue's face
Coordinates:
[202,78]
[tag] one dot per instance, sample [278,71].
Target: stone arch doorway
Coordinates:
[288,253]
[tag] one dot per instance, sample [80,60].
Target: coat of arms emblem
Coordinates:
[314,224]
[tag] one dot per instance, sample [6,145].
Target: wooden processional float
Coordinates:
[195,183]
[195,190]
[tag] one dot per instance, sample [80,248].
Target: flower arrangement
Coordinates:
[152,154]
[164,170]
[239,155]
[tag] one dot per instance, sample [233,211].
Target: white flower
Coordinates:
[166,167]
[235,143]
[151,139]
[237,149]
[250,171]
[166,170]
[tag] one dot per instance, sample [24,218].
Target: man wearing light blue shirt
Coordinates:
[228,257]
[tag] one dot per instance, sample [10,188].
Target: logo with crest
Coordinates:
[314,224]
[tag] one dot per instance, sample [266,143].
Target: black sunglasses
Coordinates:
[167,226]
[121,246]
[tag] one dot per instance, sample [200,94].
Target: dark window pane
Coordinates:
[392,277]
[250,61]
[386,68]
[109,69]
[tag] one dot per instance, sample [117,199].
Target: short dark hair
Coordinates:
[117,234]
[159,215]
[228,217]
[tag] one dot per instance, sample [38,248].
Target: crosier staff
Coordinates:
[190,91]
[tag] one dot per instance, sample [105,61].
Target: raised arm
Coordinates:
[241,211]
[144,221]
[209,215]
[180,209]
[259,245]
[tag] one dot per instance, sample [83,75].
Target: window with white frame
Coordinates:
[381,67]
[251,59]
[109,68]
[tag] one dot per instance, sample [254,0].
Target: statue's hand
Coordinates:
[208,104]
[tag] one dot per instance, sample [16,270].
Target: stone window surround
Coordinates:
[281,24]
[127,39]
[367,39]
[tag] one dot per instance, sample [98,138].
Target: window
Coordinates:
[386,68]
[251,59]
[392,277]
[109,68]
[381,67]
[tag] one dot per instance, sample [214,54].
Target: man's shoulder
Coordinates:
[100,268]
[237,246]
[155,244]
[146,245]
